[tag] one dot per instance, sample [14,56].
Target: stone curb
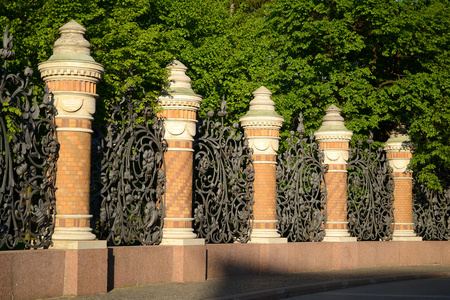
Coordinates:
[300,290]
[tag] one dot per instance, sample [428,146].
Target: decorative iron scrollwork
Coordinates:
[431,211]
[370,194]
[28,155]
[133,175]
[301,189]
[223,182]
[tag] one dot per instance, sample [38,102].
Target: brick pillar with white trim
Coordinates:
[334,139]
[180,105]
[398,152]
[262,124]
[72,76]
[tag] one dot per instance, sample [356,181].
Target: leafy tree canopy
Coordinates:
[383,62]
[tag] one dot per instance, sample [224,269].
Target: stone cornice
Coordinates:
[261,122]
[399,141]
[180,101]
[398,147]
[55,70]
[333,136]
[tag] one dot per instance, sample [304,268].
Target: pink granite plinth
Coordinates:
[31,274]
[6,279]
[189,263]
[154,264]
[53,273]
[86,272]
[225,260]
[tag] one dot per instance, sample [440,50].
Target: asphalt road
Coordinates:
[412,282]
[421,289]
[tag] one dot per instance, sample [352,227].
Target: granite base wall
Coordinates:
[53,273]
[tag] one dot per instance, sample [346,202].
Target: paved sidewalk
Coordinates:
[277,286]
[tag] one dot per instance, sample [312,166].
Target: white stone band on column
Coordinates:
[73,216]
[74,129]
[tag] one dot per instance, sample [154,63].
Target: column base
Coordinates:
[405,236]
[180,237]
[266,236]
[183,242]
[79,245]
[73,234]
[338,236]
[279,240]
[339,239]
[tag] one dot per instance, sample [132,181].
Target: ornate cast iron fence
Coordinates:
[132,175]
[431,211]
[28,155]
[223,182]
[370,194]
[301,189]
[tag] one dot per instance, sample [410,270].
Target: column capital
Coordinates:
[398,142]
[399,151]
[71,56]
[72,74]
[262,123]
[180,105]
[334,137]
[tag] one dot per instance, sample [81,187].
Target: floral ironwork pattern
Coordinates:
[301,189]
[133,175]
[28,155]
[370,194]
[431,211]
[223,182]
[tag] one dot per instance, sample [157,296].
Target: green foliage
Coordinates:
[9,113]
[382,62]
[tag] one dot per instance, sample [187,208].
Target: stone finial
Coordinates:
[178,77]
[333,127]
[179,91]
[333,116]
[262,109]
[72,45]
[333,119]
[262,100]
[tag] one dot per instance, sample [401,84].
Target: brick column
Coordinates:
[262,125]
[398,152]
[180,105]
[72,75]
[334,138]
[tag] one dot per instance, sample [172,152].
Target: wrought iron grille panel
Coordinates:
[301,189]
[431,211]
[370,194]
[132,175]
[28,155]
[223,182]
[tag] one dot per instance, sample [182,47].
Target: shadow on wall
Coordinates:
[111,269]
[218,270]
